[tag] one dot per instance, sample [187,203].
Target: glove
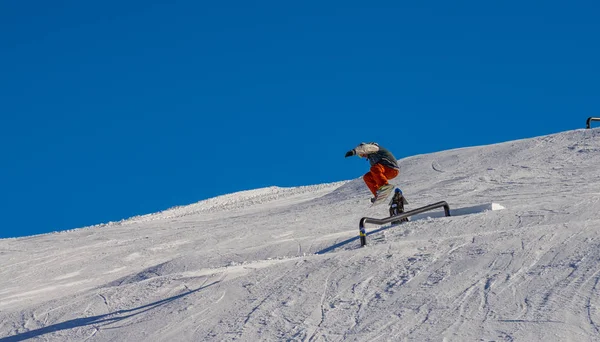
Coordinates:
[350,153]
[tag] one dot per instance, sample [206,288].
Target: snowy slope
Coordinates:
[285,264]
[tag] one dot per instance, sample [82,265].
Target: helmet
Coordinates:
[398,191]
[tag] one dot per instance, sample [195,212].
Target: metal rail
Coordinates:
[365,220]
[589,121]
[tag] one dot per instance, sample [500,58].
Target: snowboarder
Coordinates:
[397,205]
[384,167]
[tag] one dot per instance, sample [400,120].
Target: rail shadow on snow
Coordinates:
[337,245]
[356,238]
[434,214]
[98,320]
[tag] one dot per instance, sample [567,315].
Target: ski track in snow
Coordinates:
[278,264]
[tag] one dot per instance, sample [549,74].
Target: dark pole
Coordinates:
[365,220]
[589,121]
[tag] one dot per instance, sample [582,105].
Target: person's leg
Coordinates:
[371,183]
[378,175]
[389,173]
[400,211]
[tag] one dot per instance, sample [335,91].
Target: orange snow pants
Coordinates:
[379,176]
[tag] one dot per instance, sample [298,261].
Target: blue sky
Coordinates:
[119,108]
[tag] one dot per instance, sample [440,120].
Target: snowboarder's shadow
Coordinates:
[97,320]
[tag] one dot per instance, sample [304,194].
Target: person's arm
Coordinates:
[366,149]
[362,149]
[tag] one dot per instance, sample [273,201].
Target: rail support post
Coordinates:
[363,236]
[588,123]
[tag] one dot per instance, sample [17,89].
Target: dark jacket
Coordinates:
[399,200]
[376,155]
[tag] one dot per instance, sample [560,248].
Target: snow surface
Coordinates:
[284,264]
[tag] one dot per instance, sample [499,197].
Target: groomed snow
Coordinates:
[518,260]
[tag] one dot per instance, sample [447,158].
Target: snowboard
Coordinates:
[383,193]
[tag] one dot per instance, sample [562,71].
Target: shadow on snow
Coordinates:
[100,319]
